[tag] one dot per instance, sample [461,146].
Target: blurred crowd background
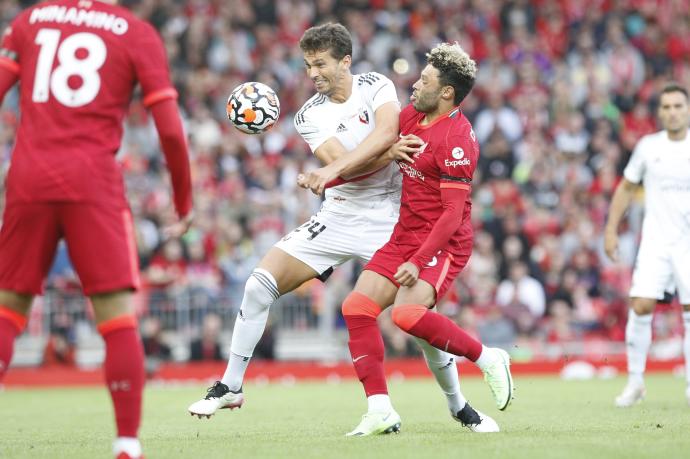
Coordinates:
[565,89]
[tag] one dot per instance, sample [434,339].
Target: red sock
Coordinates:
[124,372]
[11,325]
[437,330]
[366,343]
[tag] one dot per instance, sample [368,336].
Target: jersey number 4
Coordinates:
[71,62]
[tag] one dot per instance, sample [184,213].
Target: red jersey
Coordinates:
[78,62]
[447,160]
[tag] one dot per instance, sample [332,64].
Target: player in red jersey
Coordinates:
[430,245]
[78,62]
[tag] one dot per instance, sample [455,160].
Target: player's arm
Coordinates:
[622,197]
[361,160]
[453,198]
[7,79]
[633,175]
[174,145]
[160,97]
[9,57]
[369,155]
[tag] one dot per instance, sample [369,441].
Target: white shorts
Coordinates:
[662,269]
[328,239]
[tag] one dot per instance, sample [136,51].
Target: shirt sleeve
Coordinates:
[635,170]
[11,46]
[381,90]
[151,66]
[314,135]
[456,159]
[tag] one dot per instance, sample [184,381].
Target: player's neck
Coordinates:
[441,110]
[678,135]
[343,90]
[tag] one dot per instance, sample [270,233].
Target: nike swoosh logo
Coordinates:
[359,358]
[387,416]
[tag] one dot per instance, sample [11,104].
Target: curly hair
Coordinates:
[329,36]
[456,68]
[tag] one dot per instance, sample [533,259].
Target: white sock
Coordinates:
[487,358]
[686,345]
[442,365]
[234,372]
[129,445]
[260,292]
[638,338]
[379,403]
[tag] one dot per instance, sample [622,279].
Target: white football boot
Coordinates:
[475,420]
[500,380]
[218,396]
[632,393]
[377,423]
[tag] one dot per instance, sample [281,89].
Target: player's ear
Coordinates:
[346,61]
[448,92]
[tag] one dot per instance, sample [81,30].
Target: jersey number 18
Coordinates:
[70,64]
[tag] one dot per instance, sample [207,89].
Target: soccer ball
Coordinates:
[253,107]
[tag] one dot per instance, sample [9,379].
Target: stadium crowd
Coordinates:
[565,89]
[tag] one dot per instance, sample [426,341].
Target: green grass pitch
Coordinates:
[549,419]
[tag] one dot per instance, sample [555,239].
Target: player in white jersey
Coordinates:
[352,117]
[660,163]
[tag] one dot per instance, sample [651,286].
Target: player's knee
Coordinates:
[358,304]
[260,292]
[642,306]
[406,316]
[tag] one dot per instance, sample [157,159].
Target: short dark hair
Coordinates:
[327,37]
[674,87]
[456,68]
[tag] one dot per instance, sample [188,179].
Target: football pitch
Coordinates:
[550,418]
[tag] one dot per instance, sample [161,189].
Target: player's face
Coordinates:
[426,92]
[674,112]
[326,71]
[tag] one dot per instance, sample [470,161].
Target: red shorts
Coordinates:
[100,242]
[439,273]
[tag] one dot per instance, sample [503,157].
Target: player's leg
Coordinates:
[372,293]
[652,274]
[28,238]
[686,348]
[304,254]
[412,314]
[123,366]
[681,276]
[100,242]
[638,339]
[14,308]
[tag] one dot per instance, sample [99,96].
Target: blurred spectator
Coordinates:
[521,298]
[155,348]
[60,347]
[207,346]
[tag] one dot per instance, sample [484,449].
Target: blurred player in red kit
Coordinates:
[78,62]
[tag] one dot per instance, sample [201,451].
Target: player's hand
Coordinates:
[178,228]
[407,274]
[611,245]
[405,148]
[317,179]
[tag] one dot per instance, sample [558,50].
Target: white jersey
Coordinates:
[350,122]
[662,166]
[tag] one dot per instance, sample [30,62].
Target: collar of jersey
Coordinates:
[437,120]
